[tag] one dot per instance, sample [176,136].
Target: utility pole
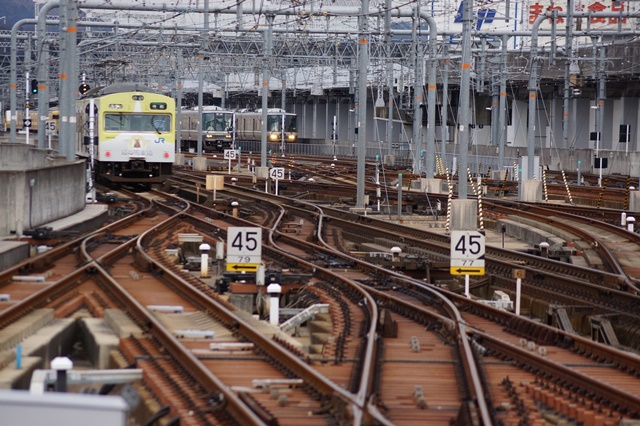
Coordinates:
[363,63]
[465,82]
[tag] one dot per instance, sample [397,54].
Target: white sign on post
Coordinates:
[467,253]
[50,127]
[230,154]
[244,249]
[276,173]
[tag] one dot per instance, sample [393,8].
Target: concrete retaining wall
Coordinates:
[12,253]
[36,188]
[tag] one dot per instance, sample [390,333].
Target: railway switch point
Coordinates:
[194,334]
[174,309]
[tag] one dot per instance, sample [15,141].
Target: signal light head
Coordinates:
[84,88]
[34,86]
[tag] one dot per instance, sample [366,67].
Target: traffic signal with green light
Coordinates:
[34,87]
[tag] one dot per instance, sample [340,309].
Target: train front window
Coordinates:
[274,123]
[216,121]
[159,123]
[291,123]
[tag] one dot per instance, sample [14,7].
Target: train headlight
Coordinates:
[228,136]
[291,137]
[209,136]
[273,136]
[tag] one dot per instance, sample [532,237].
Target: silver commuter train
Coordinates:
[282,126]
[222,128]
[217,128]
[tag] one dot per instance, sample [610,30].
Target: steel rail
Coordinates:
[49,257]
[172,345]
[469,363]
[613,394]
[216,309]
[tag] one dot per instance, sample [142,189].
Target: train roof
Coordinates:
[209,108]
[269,111]
[119,88]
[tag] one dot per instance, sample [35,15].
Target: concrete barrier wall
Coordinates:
[12,253]
[36,188]
[58,192]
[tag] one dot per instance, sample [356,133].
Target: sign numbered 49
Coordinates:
[467,253]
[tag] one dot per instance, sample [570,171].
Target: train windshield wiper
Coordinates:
[153,123]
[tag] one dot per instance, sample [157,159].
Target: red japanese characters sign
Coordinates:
[536,9]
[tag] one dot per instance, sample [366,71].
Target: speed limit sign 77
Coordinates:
[467,253]
[276,173]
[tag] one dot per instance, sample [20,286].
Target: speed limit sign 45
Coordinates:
[467,253]
[50,127]
[276,173]
[244,248]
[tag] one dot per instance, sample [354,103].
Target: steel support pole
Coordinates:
[418,97]
[445,104]
[602,94]
[533,95]
[265,88]
[431,106]
[179,101]
[64,88]
[363,64]
[465,83]
[203,47]
[502,106]
[387,29]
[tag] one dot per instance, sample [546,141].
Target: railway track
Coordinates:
[343,278]
[533,333]
[553,288]
[384,324]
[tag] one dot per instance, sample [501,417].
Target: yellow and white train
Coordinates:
[134,133]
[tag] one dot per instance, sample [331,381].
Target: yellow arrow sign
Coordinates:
[242,267]
[466,270]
